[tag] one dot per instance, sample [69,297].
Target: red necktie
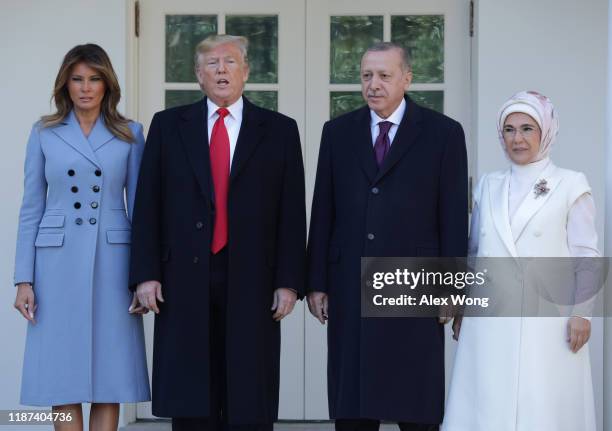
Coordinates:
[220,167]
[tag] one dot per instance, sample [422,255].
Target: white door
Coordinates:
[169,32]
[304,57]
[436,35]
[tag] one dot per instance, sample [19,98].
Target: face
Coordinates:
[222,73]
[86,88]
[383,80]
[522,137]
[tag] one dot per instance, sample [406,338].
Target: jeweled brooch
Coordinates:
[540,188]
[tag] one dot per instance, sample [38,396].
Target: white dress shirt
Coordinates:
[232,122]
[395,118]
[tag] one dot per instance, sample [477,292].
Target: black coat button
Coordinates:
[199,225]
[98,172]
[71,172]
[94,205]
[74,189]
[96,189]
[92,221]
[77,205]
[370,236]
[79,221]
[375,190]
[196,259]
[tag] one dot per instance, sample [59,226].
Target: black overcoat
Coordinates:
[171,236]
[414,205]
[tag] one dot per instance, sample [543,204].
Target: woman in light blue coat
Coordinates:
[85,340]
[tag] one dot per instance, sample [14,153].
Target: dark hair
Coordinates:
[95,57]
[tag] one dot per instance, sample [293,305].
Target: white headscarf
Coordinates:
[541,109]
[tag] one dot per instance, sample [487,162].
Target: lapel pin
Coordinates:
[540,188]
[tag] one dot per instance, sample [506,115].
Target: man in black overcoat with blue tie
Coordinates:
[391,181]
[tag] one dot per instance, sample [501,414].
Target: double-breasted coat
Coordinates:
[171,237]
[73,246]
[414,205]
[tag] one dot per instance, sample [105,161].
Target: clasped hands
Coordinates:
[149,292]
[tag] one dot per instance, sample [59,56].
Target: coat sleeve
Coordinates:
[145,251]
[291,238]
[135,157]
[453,215]
[32,208]
[321,218]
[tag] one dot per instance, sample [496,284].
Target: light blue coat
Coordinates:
[73,244]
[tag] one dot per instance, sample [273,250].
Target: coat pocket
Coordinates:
[49,240]
[52,221]
[119,236]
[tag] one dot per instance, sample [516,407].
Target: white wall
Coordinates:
[560,48]
[34,37]
[607,401]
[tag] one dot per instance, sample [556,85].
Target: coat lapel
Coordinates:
[251,132]
[99,135]
[498,196]
[532,204]
[362,143]
[406,135]
[194,136]
[70,132]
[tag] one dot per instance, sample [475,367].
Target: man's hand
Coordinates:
[578,332]
[24,301]
[457,327]
[149,292]
[283,302]
[317,304]
[136,307]
[445,314]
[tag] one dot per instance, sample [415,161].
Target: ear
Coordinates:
[407,79]
[246,72]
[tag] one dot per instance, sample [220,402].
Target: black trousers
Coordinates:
[218,381]
[373,425]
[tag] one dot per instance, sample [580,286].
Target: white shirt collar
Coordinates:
[395,118]
[235,109]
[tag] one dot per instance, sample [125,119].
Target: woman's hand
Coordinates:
[24,302]
[578,332]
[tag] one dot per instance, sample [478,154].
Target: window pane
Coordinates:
[430,99]
[183,33]
[182,97]
[350,36]
[423,37]
[262,32]
[264,99]
[341,102]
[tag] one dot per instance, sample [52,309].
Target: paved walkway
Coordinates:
[283,426]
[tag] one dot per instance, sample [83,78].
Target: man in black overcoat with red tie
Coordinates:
[218,248]
[391,181]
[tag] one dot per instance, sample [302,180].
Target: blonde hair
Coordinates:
[95,57]
[213,41]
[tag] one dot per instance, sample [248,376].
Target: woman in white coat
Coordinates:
[526,373]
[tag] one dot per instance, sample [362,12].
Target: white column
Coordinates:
[607,398]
